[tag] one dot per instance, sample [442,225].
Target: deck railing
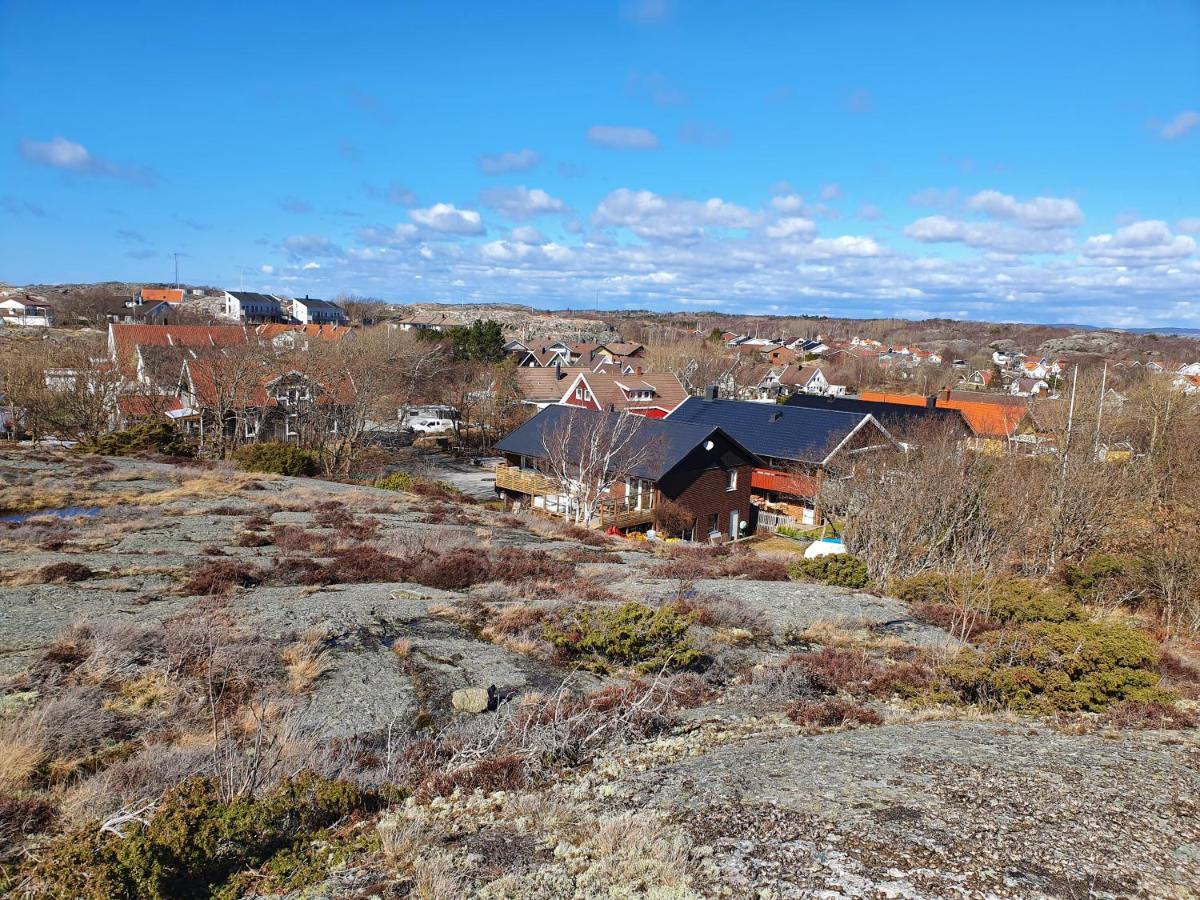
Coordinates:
[613,512]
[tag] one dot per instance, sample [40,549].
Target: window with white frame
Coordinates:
[731,480]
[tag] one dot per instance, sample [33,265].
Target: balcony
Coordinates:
[524,481]
[611,513]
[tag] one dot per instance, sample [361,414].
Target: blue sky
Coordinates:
[1015,161]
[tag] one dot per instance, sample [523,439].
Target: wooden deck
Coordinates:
[535,484]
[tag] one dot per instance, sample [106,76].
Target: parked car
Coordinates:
[431,426]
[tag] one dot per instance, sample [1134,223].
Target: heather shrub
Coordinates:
[832,713]
[722,611]
[279,459]
[219,576]
[1146,714]
[64,571]
[364,565]
[505,772]
[22,815]
[76,724]
[1048,666]
[440,490]
[1179,675]
[584,535]
[456,570]
[254,539]
[840,570]
[632,634]
[516,565]
[295,539]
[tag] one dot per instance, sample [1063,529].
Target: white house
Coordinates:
[25,310]
[248,306]
[311,311]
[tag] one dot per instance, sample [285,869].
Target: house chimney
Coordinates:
[558,371]
[637,370]
[931,401]
[710,392]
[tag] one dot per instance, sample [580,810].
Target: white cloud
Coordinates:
[870,212]
[986,235]
[848,245]
[791,227]
[620,137]
[60,153]
[831,191]
[1180,125]
[302,245]
[1142,242]
[527,234]
[513,252]
[521,203]
[788,203]
[1040,212]
[382,236]
[267,270]
[644,250]
[509,161]
[651,216]
[449,219]
[1190,226]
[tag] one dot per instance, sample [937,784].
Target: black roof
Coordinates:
[673,440]
[889,415]
[314,303]
[771,429]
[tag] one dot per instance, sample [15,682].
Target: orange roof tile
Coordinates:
[157,295]
[126,338]
[899,399]
[328,332]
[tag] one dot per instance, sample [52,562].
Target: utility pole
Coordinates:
[176,255]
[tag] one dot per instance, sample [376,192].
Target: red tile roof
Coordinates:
[328,332]
[145,406]
[124,339]
[158,295]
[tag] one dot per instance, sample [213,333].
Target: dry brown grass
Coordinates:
[21,754]
[207,486]
[306,660]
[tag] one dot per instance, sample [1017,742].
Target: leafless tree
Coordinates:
[588,452]
[698,363]
[934,509]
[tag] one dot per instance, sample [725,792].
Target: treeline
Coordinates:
[1109,504]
